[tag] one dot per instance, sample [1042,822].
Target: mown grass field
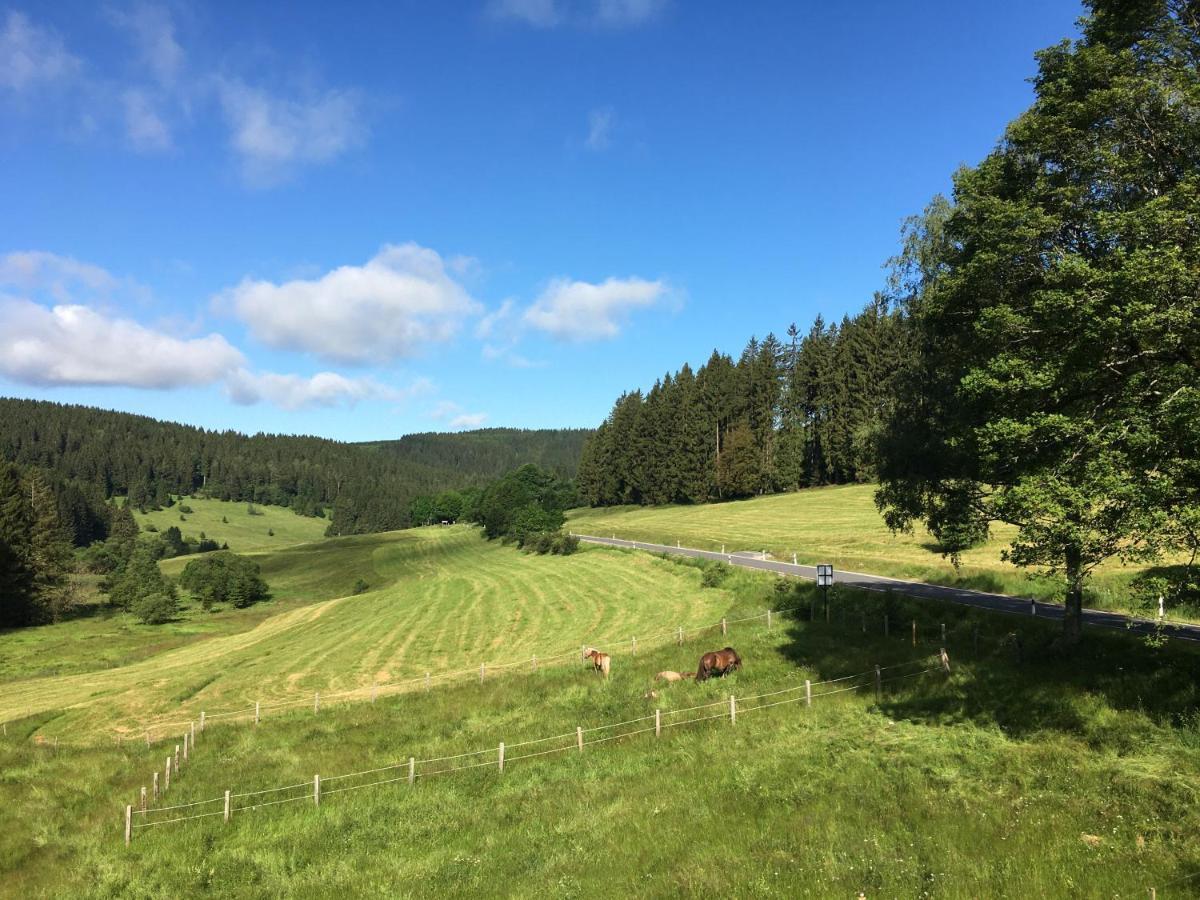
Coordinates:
[233,524]
[440,600]
[841,525]
[1052,777]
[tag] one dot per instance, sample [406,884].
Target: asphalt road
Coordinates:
[1002,603]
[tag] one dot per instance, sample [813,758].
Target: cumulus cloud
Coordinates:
[273,135]
[595,13]
[74,345]
[152,32]
[580,311]
[396,305]
[292,392]
[600,125]
[32,55]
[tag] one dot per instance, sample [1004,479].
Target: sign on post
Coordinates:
[824,574]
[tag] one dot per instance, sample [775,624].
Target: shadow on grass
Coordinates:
[1007,672]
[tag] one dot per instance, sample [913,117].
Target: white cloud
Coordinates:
[152,32]
[496,319]
[59,276]
[455,417]
[595,13]
[292,392]
[580,311]
[145,127]
[600,125]
[30,54]
[273,135]
[398,304]
[74,345]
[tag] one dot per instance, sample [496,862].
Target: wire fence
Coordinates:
[498,757]
[154,731]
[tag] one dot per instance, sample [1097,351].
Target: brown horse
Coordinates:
[601,662]
[717,663]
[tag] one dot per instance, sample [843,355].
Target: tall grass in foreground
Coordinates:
[1022,774]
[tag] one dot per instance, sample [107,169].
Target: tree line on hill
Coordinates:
[783,416]
[88,456]
[1034,361]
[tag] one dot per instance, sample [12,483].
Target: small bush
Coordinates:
[270,532]
[151,527]
[154,609]
[252,510]
[360,587]
[565,544]
[714,575]
[184,508]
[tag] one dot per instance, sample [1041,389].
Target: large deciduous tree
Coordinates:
[1057,385]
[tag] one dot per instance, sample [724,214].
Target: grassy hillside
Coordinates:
[840,525]
[230,522]
[1052,778]
[440,600]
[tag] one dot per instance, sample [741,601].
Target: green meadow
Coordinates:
[1019,774]
[841,525]
[267,528]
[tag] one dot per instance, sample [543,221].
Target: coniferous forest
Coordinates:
[87,456]
[786,414]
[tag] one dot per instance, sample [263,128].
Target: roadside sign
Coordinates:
[824,574]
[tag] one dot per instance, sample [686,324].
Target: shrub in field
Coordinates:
[154,609]
[360,587]
[184,508]
[714,575]
[224,578]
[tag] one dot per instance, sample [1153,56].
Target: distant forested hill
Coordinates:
[491,452]
[90,455]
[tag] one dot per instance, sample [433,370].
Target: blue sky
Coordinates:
[366,220]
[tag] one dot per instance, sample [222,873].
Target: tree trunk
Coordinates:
[1073,613]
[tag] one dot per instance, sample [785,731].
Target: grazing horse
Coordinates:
[601,662]
[717,663]
[673,676]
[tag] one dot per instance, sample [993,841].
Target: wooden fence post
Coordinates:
[316,790]
[255,712]
[657,722]
[156,787]
[227,807]
[143,799]
[412,770]
[680,635]
[945,661]
[732,710]
[807,692]
[501,756]
[128,824]
[768,620]
[724,627]
[192,735]
[201,720]
[167,776]
[579,737]
[185,746]
[316,702]
[176,759]
[878,684]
